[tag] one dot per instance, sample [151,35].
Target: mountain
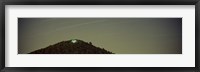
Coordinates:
[73,46]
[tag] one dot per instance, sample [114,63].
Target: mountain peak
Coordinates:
[73,46]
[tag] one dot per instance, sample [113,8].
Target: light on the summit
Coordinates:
[74,41]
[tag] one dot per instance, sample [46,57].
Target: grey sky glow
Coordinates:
[118,35]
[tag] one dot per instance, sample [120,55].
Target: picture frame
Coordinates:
[100,2]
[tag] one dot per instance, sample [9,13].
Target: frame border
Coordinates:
[99,2]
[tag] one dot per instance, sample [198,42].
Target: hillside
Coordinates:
[73,46]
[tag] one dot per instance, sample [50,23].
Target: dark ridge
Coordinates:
[73,46]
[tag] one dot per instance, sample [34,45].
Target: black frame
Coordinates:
[99,2]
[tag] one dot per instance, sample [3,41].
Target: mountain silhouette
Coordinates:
[73,46]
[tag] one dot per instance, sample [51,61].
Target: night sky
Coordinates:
[118,35]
